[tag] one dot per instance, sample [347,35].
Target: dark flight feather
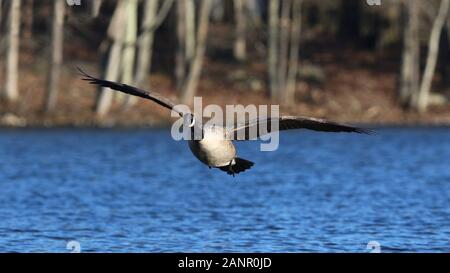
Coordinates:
[130,90]
[242,132]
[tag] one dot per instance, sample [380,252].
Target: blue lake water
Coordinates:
[140,191]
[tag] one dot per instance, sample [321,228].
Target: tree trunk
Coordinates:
[274,6]
[1,13]
[28,20]
[409,79]
[254,12]
[180,58]
[95,7]
[191,36]
[289,96]
[146,42]
[241,25]
[129,51]
[433,51]
[12,69]
[196,65]
[116,32]
[151,21]
[56,54]
[284,47]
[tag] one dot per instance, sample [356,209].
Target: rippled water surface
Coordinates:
[140,191]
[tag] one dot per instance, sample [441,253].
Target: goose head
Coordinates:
[189,120]
[196,128]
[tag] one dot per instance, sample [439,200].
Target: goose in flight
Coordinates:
[215,147]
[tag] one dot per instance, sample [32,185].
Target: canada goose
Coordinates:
[215,148]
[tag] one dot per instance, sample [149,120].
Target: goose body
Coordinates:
[215,148]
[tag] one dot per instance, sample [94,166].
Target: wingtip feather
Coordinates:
[86,76]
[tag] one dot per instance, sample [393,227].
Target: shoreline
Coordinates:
[355,93]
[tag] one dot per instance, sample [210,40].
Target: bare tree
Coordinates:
[195,66]
[433,50]
[274,6]
[145,42]
[294,52]
[241,22]
[180,58]
[284,46]
[151,21]
[95,7]
[409,78]
[129,50]
[1,4]
[12,68]
[1,13]
[28,20]
[187,41]
[254,12]
[191,36]
[56,54]
[116,32]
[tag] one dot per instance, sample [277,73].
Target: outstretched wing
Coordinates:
[127,89]
[254,129]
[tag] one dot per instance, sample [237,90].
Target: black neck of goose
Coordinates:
[199,129]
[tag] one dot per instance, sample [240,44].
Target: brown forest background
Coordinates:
[340,59]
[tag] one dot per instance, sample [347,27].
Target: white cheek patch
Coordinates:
[187,121]
[193,123]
